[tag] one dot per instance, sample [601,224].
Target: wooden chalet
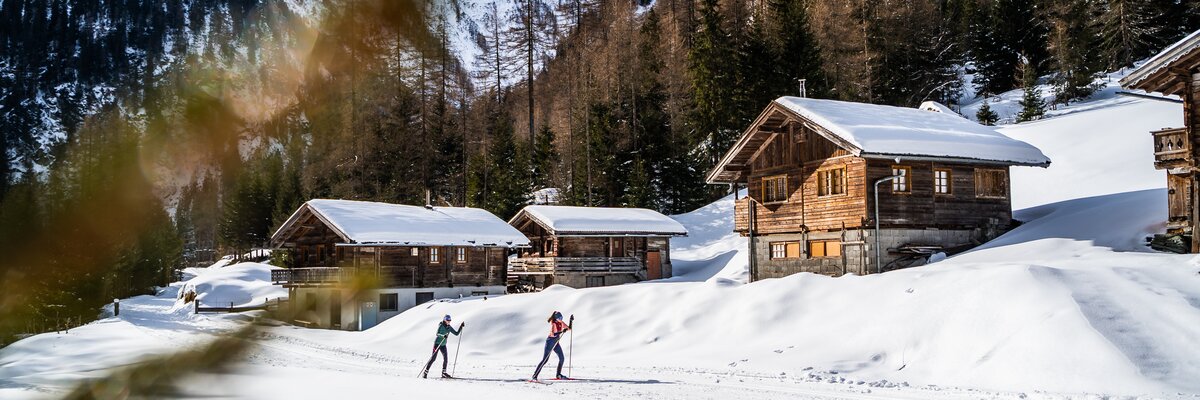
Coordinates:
[810,167]
[591,246]
[407,255]
[1176,72]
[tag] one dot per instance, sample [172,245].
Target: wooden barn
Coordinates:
[1176,71]
[811,168]
[405,255]
[591,246]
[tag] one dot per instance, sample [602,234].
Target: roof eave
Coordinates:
[964,160]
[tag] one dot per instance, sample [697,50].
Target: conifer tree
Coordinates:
[796,50]
[1073,43]
[1004,30]
[545,158]
[1032,105]
[713,83]
[985,115]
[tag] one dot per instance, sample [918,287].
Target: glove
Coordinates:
[461,325]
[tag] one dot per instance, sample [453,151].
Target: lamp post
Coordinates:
[879,261]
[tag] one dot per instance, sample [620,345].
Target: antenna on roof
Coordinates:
[803,90]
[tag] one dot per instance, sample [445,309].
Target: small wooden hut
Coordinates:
[591,246]
[811,167]
[412,254]
[1176,72]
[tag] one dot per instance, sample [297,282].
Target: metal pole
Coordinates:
[878,260]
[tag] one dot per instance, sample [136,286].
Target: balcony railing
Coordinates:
[390,276]
[550,265]
[1172,146]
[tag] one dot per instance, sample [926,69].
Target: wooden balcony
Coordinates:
[1172,148]
[398,276]
[550,265]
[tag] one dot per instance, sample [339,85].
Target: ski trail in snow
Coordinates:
[1117,322]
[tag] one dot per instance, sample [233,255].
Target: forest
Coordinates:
[141,137]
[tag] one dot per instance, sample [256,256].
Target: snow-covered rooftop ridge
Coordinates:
[934,106]
[366,222]
[1162,59]
[879,130]
[568,220]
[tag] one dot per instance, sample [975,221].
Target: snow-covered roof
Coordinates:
[876,131]
[570,220]
[881,130]
[1147,75]
[365,222]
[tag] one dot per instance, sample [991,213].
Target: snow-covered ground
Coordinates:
[1069,305]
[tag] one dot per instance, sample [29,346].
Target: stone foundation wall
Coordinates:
[858,254]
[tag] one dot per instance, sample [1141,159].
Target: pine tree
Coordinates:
[985,115]
[1004,31]
[1032,105]
[545,158]
[713,83]
[796,50]
[1073,43]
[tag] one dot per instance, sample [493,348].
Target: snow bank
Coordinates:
[243,284]
[1103,150]
[712,250]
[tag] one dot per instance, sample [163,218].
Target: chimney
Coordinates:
[803,90]
[427,203]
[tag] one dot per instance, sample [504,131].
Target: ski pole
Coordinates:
[431,356]
[457,348]
[571,348]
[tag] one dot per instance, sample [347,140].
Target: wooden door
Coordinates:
[653,265]
[1179,201]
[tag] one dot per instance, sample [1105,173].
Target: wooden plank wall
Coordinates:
[921,208]
[804,209]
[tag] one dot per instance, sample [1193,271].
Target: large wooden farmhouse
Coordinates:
[1176,71]
[592,246]
[355,263]
[811,166]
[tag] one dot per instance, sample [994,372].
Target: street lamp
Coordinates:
[878,260]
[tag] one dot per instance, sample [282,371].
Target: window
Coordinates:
[389,302]
[785,250]
[460,254]
[824,248]
[595,281]
[774,189]
[414,252]
[901,184]
[320,253]
[433,254]
[991,183]
[831,182]
[941,181]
